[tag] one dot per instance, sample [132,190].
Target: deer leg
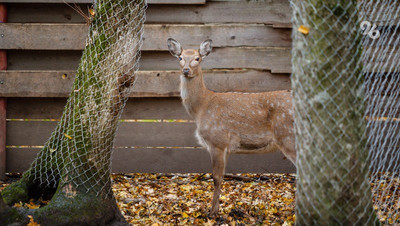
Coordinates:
[218,157]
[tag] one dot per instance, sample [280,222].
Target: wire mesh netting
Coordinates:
[79,150]
[346,92]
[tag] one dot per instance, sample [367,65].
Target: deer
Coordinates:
[232,122]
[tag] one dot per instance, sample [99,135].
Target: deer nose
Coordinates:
[186,71]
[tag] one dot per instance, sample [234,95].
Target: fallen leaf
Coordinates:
[32,222]
[303,29]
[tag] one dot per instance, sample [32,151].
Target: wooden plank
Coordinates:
[381,59]
[273,12]
[262,12]
[195,161]
[43,60]
[43,36]
[185,2]
[160,134]
[159,160]
[45,13]
[20,160]
[277,13]
[148,84]
[156,134]
[276,59]
[135,108]
[151,108]
[137,134]
[3,132]
[73,36]
[3,104]
[381,13]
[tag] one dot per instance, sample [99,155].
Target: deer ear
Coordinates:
[174,47]
[205,48]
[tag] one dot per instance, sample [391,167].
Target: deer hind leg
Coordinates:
[218,158]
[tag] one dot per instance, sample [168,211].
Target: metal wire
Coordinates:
[346,97]
[79,150]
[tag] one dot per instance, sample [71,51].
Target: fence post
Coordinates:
[3,103]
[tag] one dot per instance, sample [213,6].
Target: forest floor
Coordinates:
[246,199]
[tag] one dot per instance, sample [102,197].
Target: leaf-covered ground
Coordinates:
[247,199]
[151,199]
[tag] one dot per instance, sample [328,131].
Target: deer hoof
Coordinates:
[213,214]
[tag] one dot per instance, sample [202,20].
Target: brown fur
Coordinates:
[235,122]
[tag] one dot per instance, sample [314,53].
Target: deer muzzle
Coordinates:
[186,71]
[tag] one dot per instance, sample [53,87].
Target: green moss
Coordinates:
[80,209]
[12,217]
[16,192]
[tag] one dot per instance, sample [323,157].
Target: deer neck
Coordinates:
[194,93]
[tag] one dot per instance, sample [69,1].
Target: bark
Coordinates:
[73,168]
[333,169]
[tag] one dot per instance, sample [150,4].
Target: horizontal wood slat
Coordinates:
[156,134]
[73,36]
[148,83]
[138,134]
[150,108]
[276,59]
[158,160]
[135,108]
[91,1]
[277,13]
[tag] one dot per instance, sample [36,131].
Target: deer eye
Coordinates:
[198,58]
[180,58]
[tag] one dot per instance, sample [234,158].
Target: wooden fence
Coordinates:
[44,39]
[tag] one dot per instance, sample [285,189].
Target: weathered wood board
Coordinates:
[38,36]
[91,1]
[277,13]
[275,59]
[174,160]
[148,83]
[137,134]
[135,108]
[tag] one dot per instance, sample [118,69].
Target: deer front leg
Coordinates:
[218,157]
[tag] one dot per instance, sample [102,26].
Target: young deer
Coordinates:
[232,122]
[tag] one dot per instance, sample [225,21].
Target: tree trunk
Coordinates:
[333,169]
[73,168]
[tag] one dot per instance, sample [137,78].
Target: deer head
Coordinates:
[189,59]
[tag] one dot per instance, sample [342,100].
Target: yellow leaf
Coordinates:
[32,222]
[32,205]
[18,205]
[92,12]
[303,29]
[185,215]
[67,136]
[196,214]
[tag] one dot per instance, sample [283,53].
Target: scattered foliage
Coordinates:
[185,199]
[157,199]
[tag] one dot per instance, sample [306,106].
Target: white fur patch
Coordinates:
[201,141]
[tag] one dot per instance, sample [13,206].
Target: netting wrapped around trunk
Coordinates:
[73,168]
[346,92]
[79,150]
